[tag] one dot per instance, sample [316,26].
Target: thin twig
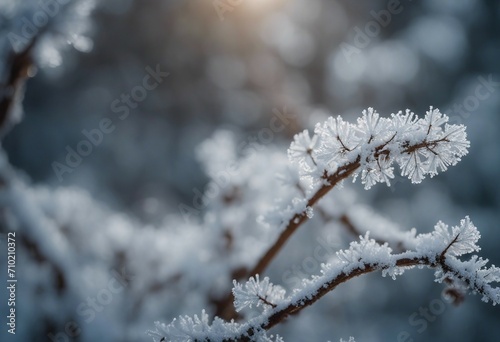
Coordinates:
[323,289]
[332,180]
[297,220]
[19,65]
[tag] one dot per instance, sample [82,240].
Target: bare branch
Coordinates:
[19,65]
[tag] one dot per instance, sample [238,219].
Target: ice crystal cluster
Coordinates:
[420,146]
[439,249]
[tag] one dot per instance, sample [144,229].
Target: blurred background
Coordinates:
[231,64]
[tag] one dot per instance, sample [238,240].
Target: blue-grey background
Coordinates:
[231,70]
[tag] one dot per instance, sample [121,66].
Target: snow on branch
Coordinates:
[368,149]
[258,293]
[420,146]
[439,250]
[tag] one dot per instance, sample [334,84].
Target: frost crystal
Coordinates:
[365,252]
[257,293]
[309,212]
[187,329]
[460,240]
[336,138]
[302,149]
[420,147]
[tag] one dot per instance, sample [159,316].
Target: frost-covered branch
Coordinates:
[339,149]
[336,151]
[440,250]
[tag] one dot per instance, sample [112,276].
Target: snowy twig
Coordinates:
[335,152]
[299,218]
[340,150]
[439,250]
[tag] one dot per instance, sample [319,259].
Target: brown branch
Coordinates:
[344,147]
[19,65]
[346,221]
[297,220]
[424,144]
[325,288]
[265,301]
[342,173]
[442,256]
[442,260]
[344,274]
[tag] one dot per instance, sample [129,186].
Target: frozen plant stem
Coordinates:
[343,277]
[297,220]
[331,181]
[346,276]
[439,250]
[339,150]
[19,65]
